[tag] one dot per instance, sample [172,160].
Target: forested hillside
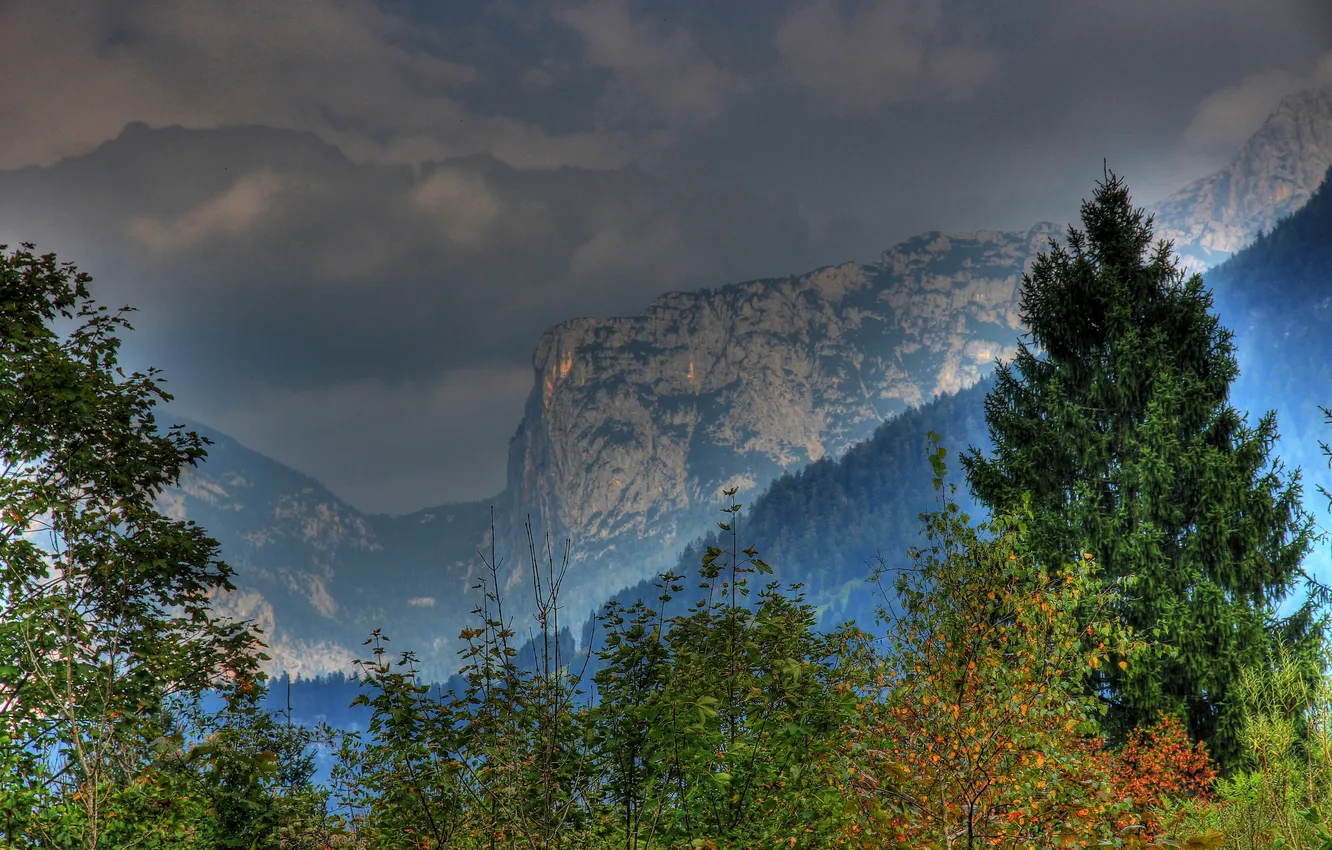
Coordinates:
[1278,296]
[826,525]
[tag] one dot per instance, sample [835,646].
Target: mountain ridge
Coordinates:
[1273,174]
[635,423]
[314,572]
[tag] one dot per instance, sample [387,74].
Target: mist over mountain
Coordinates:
[1276,295]
[1272,176]
[635,424]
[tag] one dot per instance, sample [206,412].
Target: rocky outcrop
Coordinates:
[635,425]
[1271,177]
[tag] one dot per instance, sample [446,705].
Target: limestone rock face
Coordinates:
[1272,176]
[635,425]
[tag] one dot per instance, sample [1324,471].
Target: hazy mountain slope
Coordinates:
[637,423]
[824,525]
[315,573]
[820,525]
[1286,270]
[634,424]
[1277,296]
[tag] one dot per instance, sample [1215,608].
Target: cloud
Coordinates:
[887,52]
[1227,117]
[658,76]
[408,465]
[626,248]
[231,213]
[537,78]
[460,202]
[371,325]
[422,601]
[1224,119]
[347,70]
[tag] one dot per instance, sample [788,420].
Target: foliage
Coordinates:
[107,640]
[984,736]
[105,600]
[255,772]
[838,512]
[1156,771]
[725,725]
[1122,435]
[719,727]
[503,764]
[1279,796]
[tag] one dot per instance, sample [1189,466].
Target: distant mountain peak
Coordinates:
[1272,175]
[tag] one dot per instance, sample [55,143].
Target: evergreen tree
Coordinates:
[1119,427]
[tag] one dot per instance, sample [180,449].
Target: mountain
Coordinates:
[316,574]
[1273,175]
[1285,272]
[635,424]
[1278,293]
[827,525]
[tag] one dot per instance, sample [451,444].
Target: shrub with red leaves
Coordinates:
[1158,767]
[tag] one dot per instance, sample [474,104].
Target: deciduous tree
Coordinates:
[978,731]
[104,601]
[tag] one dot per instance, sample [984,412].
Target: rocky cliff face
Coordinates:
[636,424]
[1272,176]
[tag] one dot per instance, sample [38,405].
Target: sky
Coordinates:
[346,223]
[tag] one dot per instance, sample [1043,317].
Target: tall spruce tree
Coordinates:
[1121,431]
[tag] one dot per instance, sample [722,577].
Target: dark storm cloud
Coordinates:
[353,71]
[303,290]
[379,206]
[1141,83]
